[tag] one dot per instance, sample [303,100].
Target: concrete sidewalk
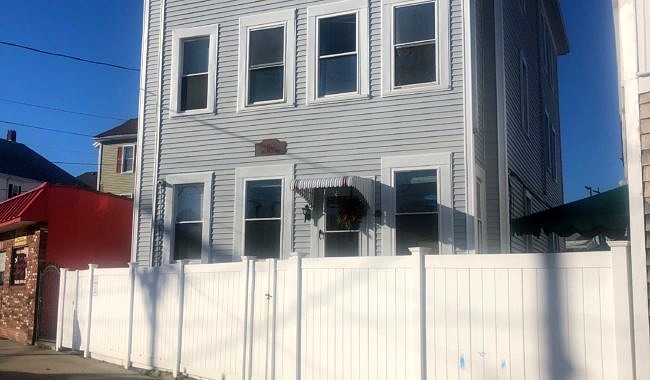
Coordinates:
[20,362]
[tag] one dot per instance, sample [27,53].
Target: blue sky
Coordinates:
[110,30]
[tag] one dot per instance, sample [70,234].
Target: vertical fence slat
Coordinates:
[89,310]
[129,328]
[63,273]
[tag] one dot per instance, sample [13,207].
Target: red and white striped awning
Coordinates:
[306,186]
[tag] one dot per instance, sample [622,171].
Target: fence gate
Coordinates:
[48,294]
[261,310]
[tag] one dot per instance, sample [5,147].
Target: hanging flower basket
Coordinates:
[351,211]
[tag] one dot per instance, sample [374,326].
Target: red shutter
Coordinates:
[118,166]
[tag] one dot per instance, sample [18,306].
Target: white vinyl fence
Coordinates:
[533,316]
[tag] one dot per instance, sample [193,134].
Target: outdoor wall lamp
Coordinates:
[306,211]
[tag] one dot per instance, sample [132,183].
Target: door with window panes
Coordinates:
[342,222]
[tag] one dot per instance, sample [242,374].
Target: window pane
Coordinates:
[127,158]
[416,191]
[415,23]
[342,244]
[195,55]
[419,230]
[262,238]
[189,202]
[3,263]
[266,46]
[194,92]
[187,241]
[337,75]
[337,34]
[18,267]
[415,64]
[342,211]
[264,199]
[266,84]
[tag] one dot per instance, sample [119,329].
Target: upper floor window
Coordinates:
[415,45]
[125,159]
[551,147]
[193,69]
[13,190]
[338,49]
[267,61]
[18,267]
[547,52]
[524,94]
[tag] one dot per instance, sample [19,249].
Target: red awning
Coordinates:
[23,209]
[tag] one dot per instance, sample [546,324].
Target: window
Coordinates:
[528,209]
[188,216]
[341,235]
[338,49]
[267,61]
[193,69]
[263,218]
[548,142]
[553,152]
[263,211]
[3,264]
[523,87]
[416,210]
[13,190]
[417,199]
[125,159]
[547,52]
[415,45]
[18,267]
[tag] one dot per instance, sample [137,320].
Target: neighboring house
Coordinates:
[345,127]
[117,149]
[43,230]
[89,179]
[632,24]
[22,169]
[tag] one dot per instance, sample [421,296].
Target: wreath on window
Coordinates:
[351,211]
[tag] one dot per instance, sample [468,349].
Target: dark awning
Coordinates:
[603,214]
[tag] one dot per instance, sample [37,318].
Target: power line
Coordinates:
[46,129]
[62,110]
[115,66]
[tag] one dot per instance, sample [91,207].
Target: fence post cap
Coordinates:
[133,264]
[618,243]
[92,266]
[297,254]
[420,250]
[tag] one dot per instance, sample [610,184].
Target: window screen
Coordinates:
[266,65]
[416,210]
[194,77]
[263,218]
[337,55]
[188,227]
[414,44]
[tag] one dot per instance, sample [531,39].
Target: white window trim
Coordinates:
[441,162]
[184,33]
[171,182]
[286,18]
[122,171]
[314,13]
[443,57]
[286,174]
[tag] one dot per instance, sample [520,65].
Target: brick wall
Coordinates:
[18,302]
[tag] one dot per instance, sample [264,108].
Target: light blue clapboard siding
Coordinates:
[347,137]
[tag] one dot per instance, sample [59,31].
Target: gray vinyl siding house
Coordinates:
[450,127]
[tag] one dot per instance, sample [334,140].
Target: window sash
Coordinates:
[344,54]
[127,162]
[524,93]
[432,41]
[279,218]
